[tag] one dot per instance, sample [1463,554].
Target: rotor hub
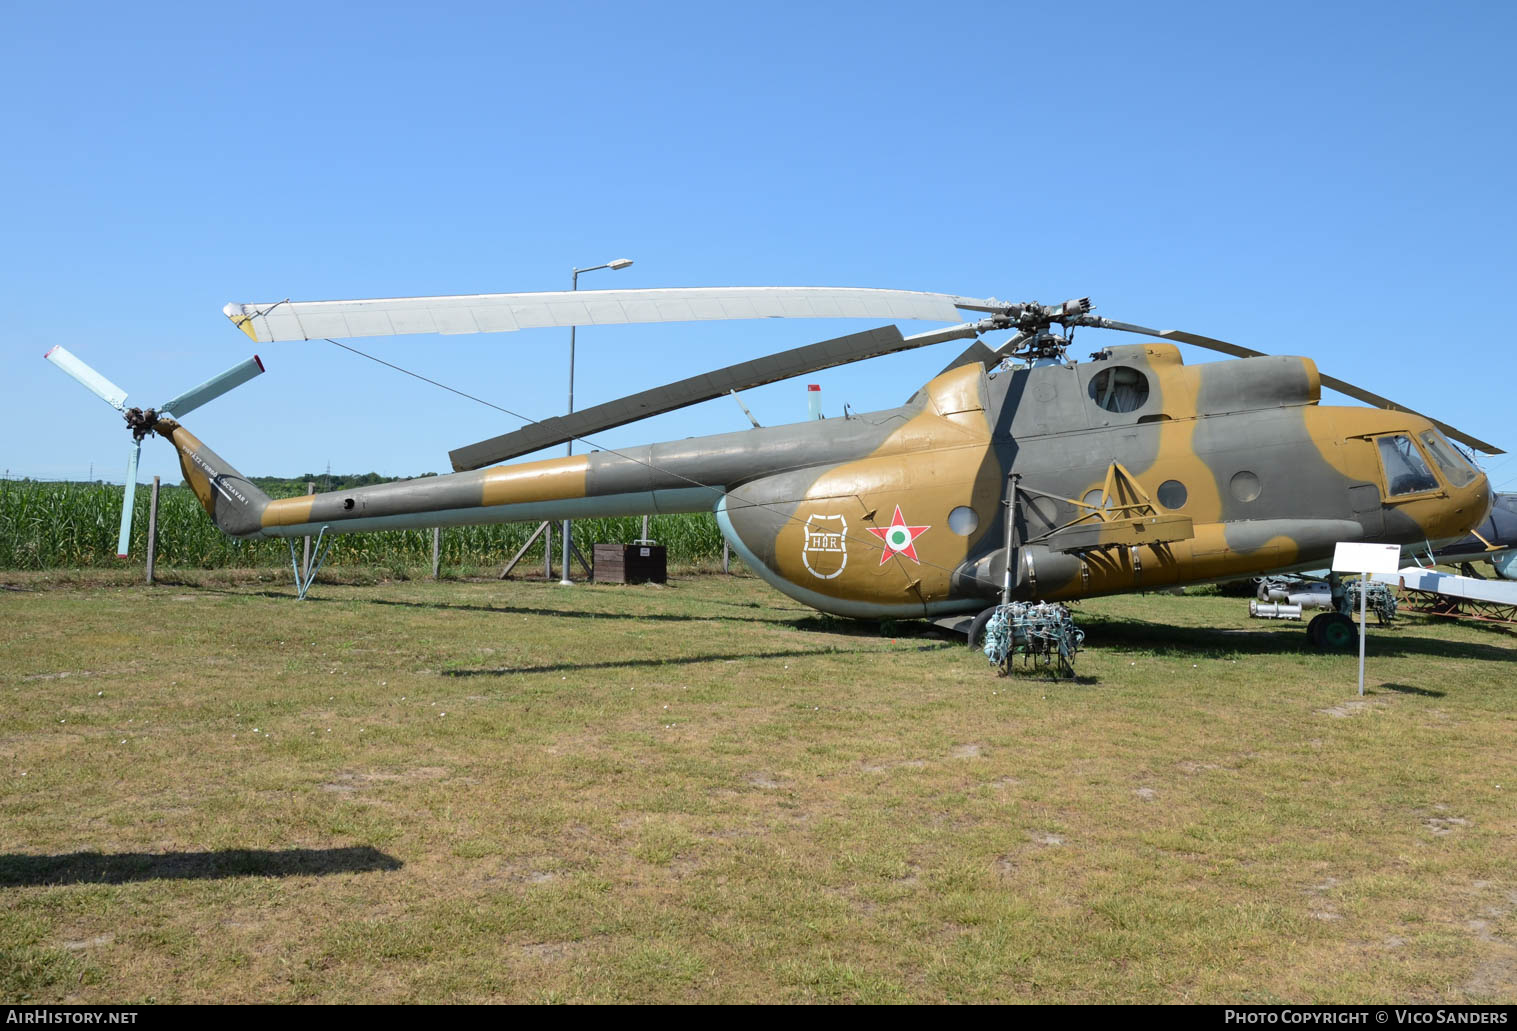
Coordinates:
[140,422]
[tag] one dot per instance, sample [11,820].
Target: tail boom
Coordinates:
[228,497]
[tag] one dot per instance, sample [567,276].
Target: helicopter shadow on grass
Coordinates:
[567,613]
[503,610]
[283,594]
[1030,674]
[1495,628]
[805,619]
[681,660]
[843,626]
[19,870]
[1408,689]
[1166,639]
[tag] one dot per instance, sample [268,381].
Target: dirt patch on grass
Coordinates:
[1346,709]
[899,764]
[89,943]
[550,952]
[351,781]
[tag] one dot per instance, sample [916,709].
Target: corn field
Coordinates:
[74,525]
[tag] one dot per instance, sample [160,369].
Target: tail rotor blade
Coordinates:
[124,542]
[92,380]
[213,388]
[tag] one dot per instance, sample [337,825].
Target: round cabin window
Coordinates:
[1244,486]
[963,521]
[1172,494]
[1121,389]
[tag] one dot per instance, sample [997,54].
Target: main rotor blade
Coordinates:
[92,380]
[214,387]
[1332,382]
[500,313]
[124,539]
[743,376]
[1360,394]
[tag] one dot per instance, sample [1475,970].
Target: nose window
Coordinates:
[1453,466]
[1405,470]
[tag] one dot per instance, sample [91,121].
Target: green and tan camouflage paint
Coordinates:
[1271,480]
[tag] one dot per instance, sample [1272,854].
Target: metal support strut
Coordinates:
[1013,554]
[1042,632]
[303,583]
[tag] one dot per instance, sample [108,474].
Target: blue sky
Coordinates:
[1324,179]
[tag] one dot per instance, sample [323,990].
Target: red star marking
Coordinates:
[899,538]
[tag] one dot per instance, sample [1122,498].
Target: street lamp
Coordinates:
[615,265]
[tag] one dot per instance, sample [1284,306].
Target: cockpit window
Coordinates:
[1449,461]
[1405,470]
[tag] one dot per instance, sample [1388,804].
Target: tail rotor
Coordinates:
[141,422]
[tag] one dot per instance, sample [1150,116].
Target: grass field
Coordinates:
[512,791]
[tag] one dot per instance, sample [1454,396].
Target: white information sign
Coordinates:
[1349,557]
[1366,558]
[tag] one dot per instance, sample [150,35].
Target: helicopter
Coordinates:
[1015,473]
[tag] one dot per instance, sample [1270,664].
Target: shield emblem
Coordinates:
[825,547]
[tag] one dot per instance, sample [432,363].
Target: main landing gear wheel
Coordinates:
[977,628]
[1331,632]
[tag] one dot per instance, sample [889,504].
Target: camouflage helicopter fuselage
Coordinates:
[900,513]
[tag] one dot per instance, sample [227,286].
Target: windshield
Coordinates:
[1405,470]
[1448,460]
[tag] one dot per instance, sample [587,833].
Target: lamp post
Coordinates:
[615,264]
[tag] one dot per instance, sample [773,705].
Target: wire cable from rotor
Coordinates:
[424,379]
[612,451]
[239,323]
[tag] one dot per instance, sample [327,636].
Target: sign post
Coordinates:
[1364,559]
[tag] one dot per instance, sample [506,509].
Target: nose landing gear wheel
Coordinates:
[1331,632]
